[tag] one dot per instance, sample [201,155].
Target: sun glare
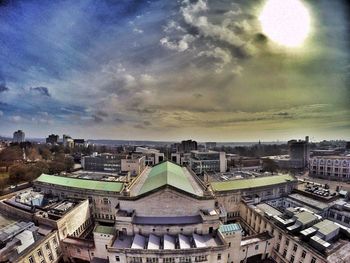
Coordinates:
[286,22]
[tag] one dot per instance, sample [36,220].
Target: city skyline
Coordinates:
[158,70]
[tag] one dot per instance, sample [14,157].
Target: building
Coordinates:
[52,139]
[187,146]
[79,143]
[33,225]
[330,167]
[104,162]
[299,153]
[181,158]
[18,136]
[152,156]
[297,158]
[208,161]
[167,214]
[68,141]
[134,166]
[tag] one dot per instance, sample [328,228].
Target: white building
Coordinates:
[330,167]
[208,161]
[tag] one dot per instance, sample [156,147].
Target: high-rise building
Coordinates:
[52,139]
[18,136]
[299,152]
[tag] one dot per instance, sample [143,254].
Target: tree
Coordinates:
[69,164]
[45,153]
[33,154]
[3,183]
[17,173]
[36,169]
[56,167]
[10,155]
[269,165]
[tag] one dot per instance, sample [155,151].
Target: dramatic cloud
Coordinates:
[170,70]
[43,91]
[3,88]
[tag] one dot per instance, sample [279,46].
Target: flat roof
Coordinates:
[305,217]
[326,227]
[104,230]
[80,183]
[251,183]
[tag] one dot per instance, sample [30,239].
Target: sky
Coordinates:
[171,70]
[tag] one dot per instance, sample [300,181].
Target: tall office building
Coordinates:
[18,136]
[299,152]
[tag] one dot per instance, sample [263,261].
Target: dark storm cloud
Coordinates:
[3,88]
[43,91]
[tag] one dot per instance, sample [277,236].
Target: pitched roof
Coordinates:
[167,173]
[251,183]
[80,183]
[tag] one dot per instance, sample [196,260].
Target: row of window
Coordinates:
[295,248]
[49,253]
[187,259]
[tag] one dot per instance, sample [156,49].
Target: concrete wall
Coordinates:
[166,202]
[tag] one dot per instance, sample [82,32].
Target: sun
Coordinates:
[286,22]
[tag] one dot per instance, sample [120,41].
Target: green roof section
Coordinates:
[81,183]
[167,173]
[251,183]
[227,229]
[108,230]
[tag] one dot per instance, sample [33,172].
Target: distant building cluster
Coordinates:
[18,136]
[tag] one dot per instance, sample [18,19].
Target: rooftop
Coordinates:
[306,217]
[108,230]
[251,183]
[167,173]
[230,228]
[80,183]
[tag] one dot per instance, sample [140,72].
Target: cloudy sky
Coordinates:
[170,70]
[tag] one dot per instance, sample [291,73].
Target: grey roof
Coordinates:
[305,217]
[326,227]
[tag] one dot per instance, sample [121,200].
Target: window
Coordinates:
[50,258]
[256,247]
[219,256]
[287,242]
[291,259]
[31,259]
[78,250]
[295,247]
[284,253]
[303,254]
[279,236]
[40,254]
[117,258]
[278,247]
[47,246]
[313,260]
